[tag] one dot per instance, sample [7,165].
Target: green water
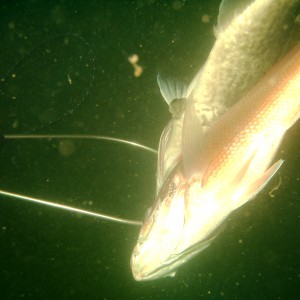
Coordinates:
[70,64]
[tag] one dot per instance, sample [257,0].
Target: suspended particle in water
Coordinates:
[138,70]
[66,147]
[206,19]
[61,73]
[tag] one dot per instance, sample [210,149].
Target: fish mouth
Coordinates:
[143,275]
[144,269]
[167,268]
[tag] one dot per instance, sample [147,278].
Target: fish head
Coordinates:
[170,235]
[161,232]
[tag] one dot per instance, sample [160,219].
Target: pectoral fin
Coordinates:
[161,168]
[254,188]
[192,140]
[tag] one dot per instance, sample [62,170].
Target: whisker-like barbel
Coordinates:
[77,137]
[74,137]
[70,208]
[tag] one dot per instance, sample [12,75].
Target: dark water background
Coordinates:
[46,253]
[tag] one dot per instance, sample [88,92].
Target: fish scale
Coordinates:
[271,116]
[230,167]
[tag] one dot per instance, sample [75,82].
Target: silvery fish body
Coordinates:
[200,185]
[250,37]
[221,170]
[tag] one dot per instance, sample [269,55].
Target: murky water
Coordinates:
[65,69]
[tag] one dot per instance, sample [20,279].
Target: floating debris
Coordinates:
[138,70]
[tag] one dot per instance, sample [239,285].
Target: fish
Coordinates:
[171,143]
[221,170]
[246,46]
[251,35]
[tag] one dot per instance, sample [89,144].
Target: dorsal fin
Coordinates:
[171,88]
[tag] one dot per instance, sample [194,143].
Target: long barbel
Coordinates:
[70,208]
[76,137]
[66,207]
